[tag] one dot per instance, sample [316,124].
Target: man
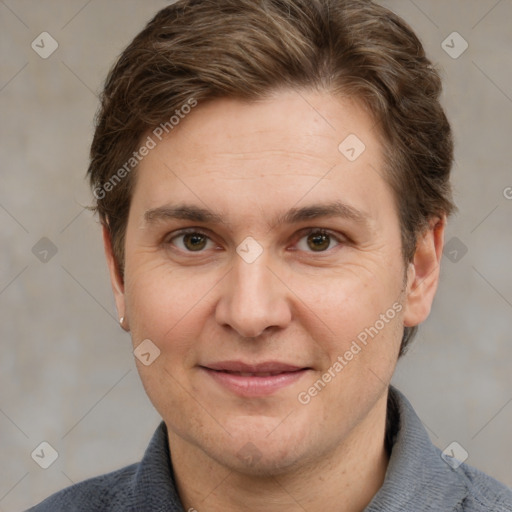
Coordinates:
[272,177]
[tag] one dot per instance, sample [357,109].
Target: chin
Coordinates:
[267,447]
[250,460]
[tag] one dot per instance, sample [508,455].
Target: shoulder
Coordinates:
[147,485]
[422,478]
[484,493]
[112,491]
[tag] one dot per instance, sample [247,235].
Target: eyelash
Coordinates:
[305,233]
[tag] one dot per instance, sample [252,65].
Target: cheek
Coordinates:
[347,301]
[358,329]
[166,306]
[358,320]
[169,309]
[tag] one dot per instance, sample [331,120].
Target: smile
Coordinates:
[248,380]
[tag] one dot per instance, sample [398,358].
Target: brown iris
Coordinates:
[194,241]
[318,241]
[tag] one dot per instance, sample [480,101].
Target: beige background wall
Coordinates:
[67,374]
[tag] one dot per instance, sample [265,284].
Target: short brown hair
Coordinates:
[247,49]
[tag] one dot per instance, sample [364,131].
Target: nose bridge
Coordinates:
[252,279]
[253,299]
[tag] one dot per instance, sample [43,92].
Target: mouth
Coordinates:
[252,380]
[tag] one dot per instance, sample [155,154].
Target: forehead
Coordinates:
[306,124]
[292,147]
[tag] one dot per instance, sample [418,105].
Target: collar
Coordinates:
[417,478]
[154,483]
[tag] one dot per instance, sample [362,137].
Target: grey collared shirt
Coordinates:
[417,478]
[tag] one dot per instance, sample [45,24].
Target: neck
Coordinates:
[345,480]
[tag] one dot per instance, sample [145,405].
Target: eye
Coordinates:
[190,240]
[317,240]
[194,240]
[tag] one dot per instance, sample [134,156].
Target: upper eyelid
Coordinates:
[186,231]
[340,238]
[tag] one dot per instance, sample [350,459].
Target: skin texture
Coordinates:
[296,303]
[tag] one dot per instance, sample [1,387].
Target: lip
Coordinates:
[252,380]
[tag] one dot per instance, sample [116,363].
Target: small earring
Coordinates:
[124,326]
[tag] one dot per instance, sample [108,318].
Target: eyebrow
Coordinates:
[292,216]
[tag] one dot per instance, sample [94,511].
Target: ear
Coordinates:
[115,277]
[423,273]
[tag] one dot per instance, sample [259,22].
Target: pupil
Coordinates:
[194,241]
[320,241]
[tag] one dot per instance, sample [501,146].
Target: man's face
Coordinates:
[247,326]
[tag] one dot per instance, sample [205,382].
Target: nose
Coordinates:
[253,299]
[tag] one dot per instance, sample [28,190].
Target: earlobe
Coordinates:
[423,273]
[116,279]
